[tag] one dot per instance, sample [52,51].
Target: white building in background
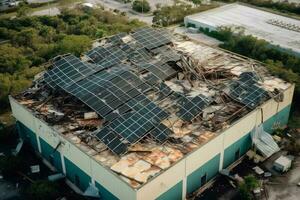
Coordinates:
[274,28]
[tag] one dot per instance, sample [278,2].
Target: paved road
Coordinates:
[111,4]
[49,11]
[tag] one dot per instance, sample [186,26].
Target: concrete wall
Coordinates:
[69,158]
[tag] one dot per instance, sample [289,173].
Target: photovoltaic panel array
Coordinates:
[151,38]
[136,125]
[106,91]
[116,91]
[112,141]
[191,107]
[166,54]
[246,91]
[160,70]
[67,71]
[116,39]
[161,133]
[107,56]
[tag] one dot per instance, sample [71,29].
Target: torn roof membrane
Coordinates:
[155,101]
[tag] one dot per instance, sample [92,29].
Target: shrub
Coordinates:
[246,188]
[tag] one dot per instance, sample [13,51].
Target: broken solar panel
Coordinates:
[191,107]
[151,38]
[68,70]
[105,91]
[161,133]
[134,126]
[107,56]
[111,140]
[160,70]
[246,91]
[116,39]
[99,53]
[166,54]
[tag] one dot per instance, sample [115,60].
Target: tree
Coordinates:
[27,37]
[5,87]
[75,44]
[246,188]
[197,2]
[23,10]
[141,6]
[12,59]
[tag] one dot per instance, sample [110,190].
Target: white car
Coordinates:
[13,4]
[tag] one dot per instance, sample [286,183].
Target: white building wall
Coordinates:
[162,183]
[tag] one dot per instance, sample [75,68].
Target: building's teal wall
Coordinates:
[210,168]
[104,193]
[174,193]
[244,144]
[280,118]
[27,135]
[72,170]
[47,151]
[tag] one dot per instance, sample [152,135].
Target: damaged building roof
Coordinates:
[138,102]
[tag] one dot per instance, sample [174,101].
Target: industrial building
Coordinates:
[282,32]
[149,114]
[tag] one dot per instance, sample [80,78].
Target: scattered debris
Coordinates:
[267,174]
[90,115]
[258,170]
[264,142]
[56,177]
[18,147]
[282,164]
[91,191]
[35,169]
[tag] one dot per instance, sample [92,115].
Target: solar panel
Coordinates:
[68,70]
[112,141]
[115,57]
[116,39]
[107,56]
[161,133]
[191,107]
[99,53]
[166,54]
[151,38]
[108,90]
[134,126]
[246,91]
[160,70]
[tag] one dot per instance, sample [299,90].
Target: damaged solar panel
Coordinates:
[68,70]
[246,91]
[151,38]
[191,107]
